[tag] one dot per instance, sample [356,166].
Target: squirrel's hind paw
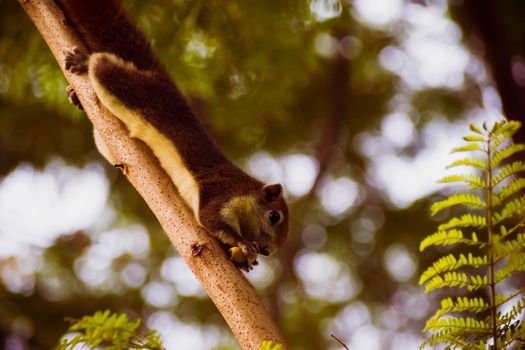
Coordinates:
[76,61]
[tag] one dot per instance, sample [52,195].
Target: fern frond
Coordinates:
[452,337]
[475,128]
[449,237]
[458,199]
[513,333]
[515,312]
[500,214]
[457,279]
[505,153]
[476,163]
[512,188]
[514,228]
[508,170]
[502,299]
[471,180]
[466,220]
[270,345]
[474,138]
[503,131]
[467,148]
[516,263]
[450,262]
[516,206]
[467,325]
[461,304]
[509,247]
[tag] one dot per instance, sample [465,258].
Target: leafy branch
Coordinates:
[110,331]
[492,238]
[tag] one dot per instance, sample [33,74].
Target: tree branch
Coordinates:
[233,295]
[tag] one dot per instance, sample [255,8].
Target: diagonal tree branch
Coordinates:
[233,295]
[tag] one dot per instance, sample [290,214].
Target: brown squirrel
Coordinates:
[128,80]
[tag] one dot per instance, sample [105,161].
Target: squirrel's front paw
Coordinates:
[250,251]
[76,61]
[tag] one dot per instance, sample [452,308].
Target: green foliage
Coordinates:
[263,84]
[490,256]
[111,332]
[270,345]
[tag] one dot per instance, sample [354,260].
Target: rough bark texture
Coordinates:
[233,295]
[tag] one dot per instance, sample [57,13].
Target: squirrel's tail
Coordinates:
[105,26]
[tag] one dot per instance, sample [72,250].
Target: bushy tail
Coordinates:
[105,26]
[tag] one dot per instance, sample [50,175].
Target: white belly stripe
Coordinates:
[161,146]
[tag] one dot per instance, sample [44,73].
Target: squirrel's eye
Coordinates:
[274,217]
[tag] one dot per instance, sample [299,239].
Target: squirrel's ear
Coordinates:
[272,192]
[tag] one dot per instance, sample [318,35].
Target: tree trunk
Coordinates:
[233,295]
[484,20]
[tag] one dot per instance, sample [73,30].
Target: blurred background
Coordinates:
[353,105]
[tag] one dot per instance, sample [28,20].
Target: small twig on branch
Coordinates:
[340,342]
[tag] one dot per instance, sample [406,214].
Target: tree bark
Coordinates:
[483,19]
[233,295]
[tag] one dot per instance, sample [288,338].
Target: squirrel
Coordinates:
[240,211]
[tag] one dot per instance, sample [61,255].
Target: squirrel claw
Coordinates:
[250,251]
[76,61]
[73,98]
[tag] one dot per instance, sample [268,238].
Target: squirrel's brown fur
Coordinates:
[236,208]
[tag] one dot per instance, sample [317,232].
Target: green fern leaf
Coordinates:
[474,138]
[450,262]
[514,313]
[270,345]
[505,153]
[518,225]
[466,220]
[509,247]
[467,148]
[502,299]
[513,333]
[461,304]
[508,170]
[455,340]
[476,163]
[458,199]
[449,237]
[457,279]
[503,131]
[115,331]
[467,324]
[503,250]
[473,127]
[516,263]
[477,282]
[511,189]
[514,207]
[471,180]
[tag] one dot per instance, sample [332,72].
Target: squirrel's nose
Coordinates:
[264,251]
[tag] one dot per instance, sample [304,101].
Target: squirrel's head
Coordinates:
[259,217]
[273,212]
